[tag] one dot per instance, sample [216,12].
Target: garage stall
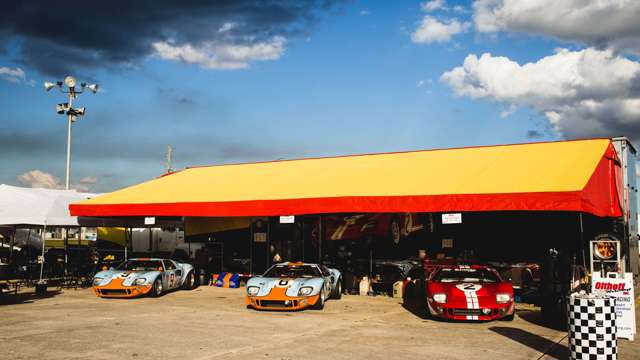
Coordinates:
[508,203]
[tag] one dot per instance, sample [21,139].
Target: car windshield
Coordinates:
[140,265]
[448,275]
[292,271]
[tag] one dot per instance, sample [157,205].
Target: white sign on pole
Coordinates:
[454,218]
[150,220]
[622,290]
[287,219]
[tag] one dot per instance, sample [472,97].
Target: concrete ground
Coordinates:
[213,323]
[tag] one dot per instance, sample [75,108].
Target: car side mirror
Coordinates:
[178,272]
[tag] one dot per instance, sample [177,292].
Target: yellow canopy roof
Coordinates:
[538,176]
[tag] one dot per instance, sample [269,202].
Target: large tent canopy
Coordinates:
[21,206]
[579,175]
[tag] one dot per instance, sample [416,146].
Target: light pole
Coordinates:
[67,108]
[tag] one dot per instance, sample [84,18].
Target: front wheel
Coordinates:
[320,304]
[157,288]
[509,317]
[190,281]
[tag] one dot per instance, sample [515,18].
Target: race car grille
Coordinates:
[115,291]
[465,312]
[278,303]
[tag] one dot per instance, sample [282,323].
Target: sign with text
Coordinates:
[622,290]
[287,219]
[150,220]
[454,218]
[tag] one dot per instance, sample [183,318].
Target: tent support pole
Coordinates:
[44,230]
[150,242]
[320,236]
[11,243]
[66,249]
[582,244]
[126,242]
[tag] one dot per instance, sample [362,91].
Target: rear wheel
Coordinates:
[337,291]
[190,281]
[157,287]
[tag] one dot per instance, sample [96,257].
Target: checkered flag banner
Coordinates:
[592,327]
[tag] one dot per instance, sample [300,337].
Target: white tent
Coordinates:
[43,207]
[29,207]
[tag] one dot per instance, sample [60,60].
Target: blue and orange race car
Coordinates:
[461,292]
[294,286]
[137,277]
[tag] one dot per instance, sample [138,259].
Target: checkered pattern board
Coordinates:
[592,328]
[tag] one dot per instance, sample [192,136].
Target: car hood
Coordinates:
[125,277]
[292,285]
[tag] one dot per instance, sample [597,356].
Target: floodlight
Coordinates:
[76,112]
[49,85]
[93,88]
[61,108]
[70,81]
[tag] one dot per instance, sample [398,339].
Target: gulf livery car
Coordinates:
[460,292]
[294,286]
[137,277]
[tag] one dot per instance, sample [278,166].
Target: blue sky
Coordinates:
[354,81]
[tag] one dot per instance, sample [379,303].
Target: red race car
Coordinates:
[475,292]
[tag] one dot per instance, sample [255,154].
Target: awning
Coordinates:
[20,206]
[555,176]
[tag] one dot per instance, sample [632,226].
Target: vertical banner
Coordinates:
[622,290]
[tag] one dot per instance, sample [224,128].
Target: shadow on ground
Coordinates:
[535,317]
[541,344]
[26,297]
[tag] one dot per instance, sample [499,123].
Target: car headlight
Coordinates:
[305,290]
[503,298]
[253,290]
[139,281]
[97,280]
[440,298]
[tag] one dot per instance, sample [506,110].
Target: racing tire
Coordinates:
[156,290]
[509,317]
[320,304]
[189,281]
[337,291]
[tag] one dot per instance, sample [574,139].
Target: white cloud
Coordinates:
[432,30]
[226,27]
[508,111]
[582,93]
[218,56]
[15,75]
[89,180]
[41,179]
[433,5]
[608,23]
[364,12]
[459,9]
